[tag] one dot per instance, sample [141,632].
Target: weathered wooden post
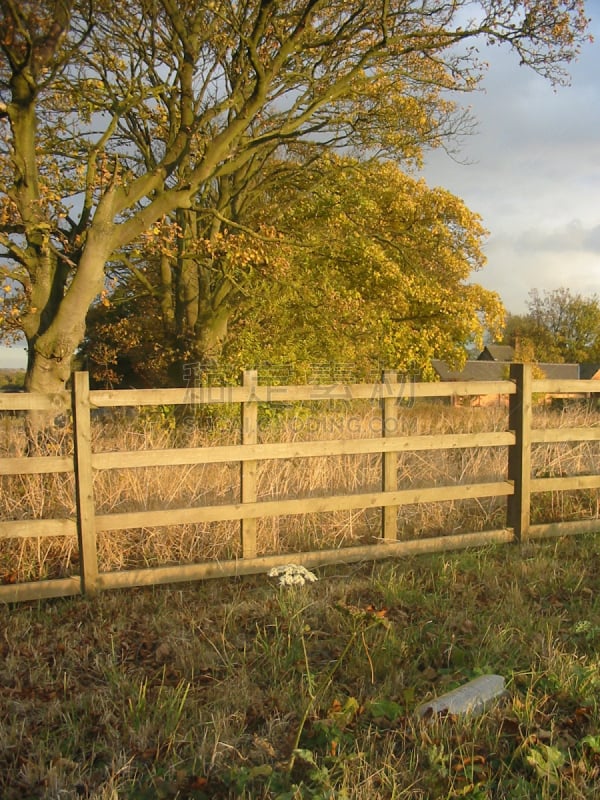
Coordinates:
[519,454]
[248,469]
[389,461]
[84,485]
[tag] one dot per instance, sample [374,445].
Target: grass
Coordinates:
[243,688]
[123,490]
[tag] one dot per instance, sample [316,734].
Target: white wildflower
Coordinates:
[292,575]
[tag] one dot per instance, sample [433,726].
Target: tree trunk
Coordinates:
[211,332]
[46,376]
[53,344]
[202,350]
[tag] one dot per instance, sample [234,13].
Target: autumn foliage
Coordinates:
[140,137]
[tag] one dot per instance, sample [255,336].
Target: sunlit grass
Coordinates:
[246,688]
[122,490]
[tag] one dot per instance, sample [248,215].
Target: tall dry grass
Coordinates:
[121,490]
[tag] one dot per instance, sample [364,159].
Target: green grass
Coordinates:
[242,688]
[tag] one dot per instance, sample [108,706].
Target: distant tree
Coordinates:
[559,327]
[11,379]
[521,332]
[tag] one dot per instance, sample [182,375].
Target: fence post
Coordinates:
[84,486]
[389,461]
[519,454]
[249,421]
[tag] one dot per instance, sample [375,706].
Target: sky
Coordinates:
[531,169]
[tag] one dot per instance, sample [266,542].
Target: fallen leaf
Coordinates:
[380,613]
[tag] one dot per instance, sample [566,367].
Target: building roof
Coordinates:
[588,372]
[566,372]
[498,371]
[472,371]
[497,352]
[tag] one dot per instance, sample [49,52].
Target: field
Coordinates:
[159,488]
[244,688]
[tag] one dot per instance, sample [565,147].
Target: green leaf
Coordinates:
[305,755]
[261,771]
[593,742]
[546,760]
[384,708]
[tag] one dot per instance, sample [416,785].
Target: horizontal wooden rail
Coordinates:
[316,558]
[40,590]
[35,465]
[215,395]
[28,528]
[288,450]
[562,386]
[24,401]
[553,530]
[391,394]
[549,435]
[563,483]
[305,505]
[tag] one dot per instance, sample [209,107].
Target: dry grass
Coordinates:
[121,490]
[242,689]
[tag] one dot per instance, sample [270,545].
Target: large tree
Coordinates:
[355,262]
[379,271]
[117,114]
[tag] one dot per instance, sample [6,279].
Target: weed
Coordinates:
[247,689]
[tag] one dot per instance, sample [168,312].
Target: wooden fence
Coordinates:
[517,488]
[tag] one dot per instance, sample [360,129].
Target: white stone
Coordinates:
[473,697]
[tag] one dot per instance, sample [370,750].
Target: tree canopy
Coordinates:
[559,327]
[380,273]
[121,117]
[357,263]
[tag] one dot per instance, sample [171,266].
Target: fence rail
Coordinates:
[518,488]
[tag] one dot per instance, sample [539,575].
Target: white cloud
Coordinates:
[573,237]
[533,173]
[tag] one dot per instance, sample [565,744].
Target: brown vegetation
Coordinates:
[45,496]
